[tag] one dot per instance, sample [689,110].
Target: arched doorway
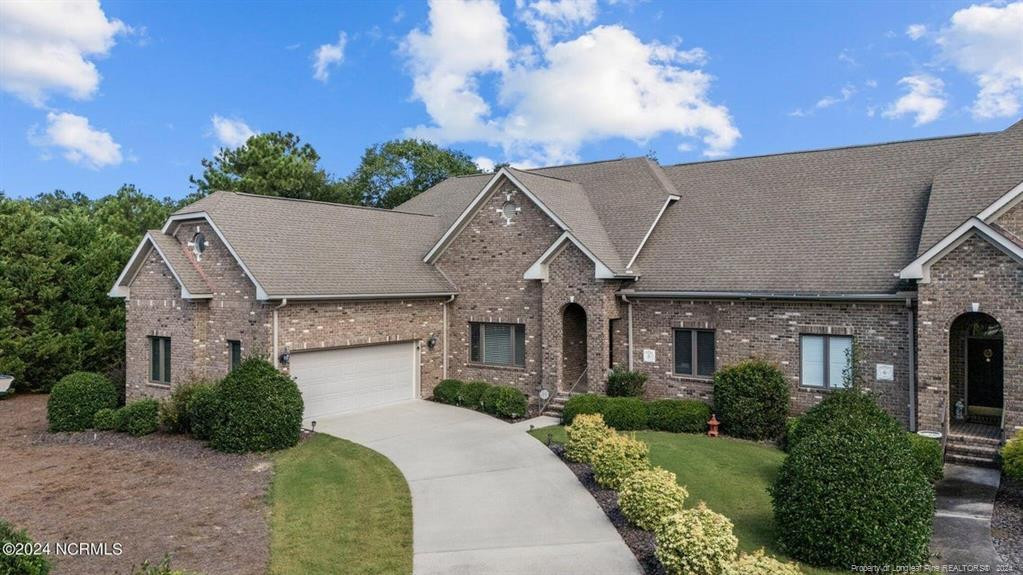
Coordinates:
[573,347]
[976,370]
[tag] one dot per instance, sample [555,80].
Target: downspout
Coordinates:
[284,302]
[626,300]
[445,368]
[911,331]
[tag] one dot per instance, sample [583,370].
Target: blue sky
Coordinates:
[96,95]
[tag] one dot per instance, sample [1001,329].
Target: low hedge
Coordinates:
[19,564]
[140,417]
[650,495]
[751,400]
[928,455]
[204,412]
[584,435]
[624,413]
[105,419]
[448,391]
[616,458]
[504,401]
[1012,456]
[471,395]
[262,409]
[678,415]
[76,398]
[585,403]
[624,383]
[696,542]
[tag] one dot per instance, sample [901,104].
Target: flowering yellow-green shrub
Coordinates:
[696,542]
[648,496]
[760,564]
[585,433]
[618,457]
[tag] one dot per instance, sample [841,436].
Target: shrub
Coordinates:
[850,491]
[784,442]
[262,409]
[577,404]
[204,412]
[448,391]
[76,398]
[472,394]
[695,542]
[760,564]
[624,383]
[650,495]
[21,564]
[1012,456]
[584,435]
[678,415]
[846,402]
[624,413]
[140,417]
[504,401]
[617,457]
[174,409]
[751,400]
[105,419]
[928,455]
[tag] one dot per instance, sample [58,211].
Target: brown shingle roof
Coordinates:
[180,263]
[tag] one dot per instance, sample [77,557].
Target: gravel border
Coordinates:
[640,542]
[1007,523]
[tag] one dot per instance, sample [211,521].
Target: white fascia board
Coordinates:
[539,270]
[473,206]
[121,288]
[364,296]
[671,199]
[1002,204]
[261,293]
[920,268]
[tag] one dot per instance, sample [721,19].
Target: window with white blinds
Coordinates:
[497,344]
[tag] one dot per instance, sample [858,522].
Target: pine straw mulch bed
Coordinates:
[1007,523]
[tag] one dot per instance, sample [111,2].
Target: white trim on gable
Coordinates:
[671,199]
[1002,204]
[121,287]
[261,293]
[540,268]
[920,268]
[452,232]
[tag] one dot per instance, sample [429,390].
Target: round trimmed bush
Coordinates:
[140,417]
[203,409]
[105,419]
[448,391]
[1012,456]
[472,394]
[695,542]
[21,564]
[853,403]
[585,403]
[751,399]
[174,409]
[851,493]
[624,413]
[262,409]
[678,415]
[584,435]
[624,383]
[76,398]
[760,563]
[504,401]
[928,455]
[650,495]
[617,457]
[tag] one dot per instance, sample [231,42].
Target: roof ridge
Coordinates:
[662,177]
[321,202]
[532,173]
[620,159]
[834,149]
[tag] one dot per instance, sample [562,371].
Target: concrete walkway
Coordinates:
[487,497]
[962,517]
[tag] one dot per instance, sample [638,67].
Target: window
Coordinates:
[235,351]
[694,352]
[497,343]
[825,360]
[160,359]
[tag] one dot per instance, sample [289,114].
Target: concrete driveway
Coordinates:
[487,497]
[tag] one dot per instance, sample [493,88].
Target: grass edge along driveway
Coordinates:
[338,507]
[731,475]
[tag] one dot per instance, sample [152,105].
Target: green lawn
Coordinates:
[730,475]
[338,507]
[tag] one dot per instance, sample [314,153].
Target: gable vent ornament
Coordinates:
[508,209]
[198,245]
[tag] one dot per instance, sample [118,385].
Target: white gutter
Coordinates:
[445,368]
[758,295]
[911,328]
[284,302]
[365,296]
[626,300]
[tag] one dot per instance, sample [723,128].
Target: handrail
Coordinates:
[543,407]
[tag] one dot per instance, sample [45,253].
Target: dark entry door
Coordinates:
[984,372]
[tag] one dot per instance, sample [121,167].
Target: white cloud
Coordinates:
[925,99]
[916,31]
[327,56]
[550,18]
[81,143]
[48,47]
[484,163]
[845,95]
[986,42]
[231,132]
[605,83]
[846,56]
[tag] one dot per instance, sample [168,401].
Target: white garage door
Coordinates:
[342,380]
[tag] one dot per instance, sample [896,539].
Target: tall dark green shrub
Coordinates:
[577,404]
[204,412]
[751,400]
[855,402]
[448,391]
[624,383]
[19,564]
[76,398]
[624,413]
[262,409]
[851,493]
[928,455]
[678,415]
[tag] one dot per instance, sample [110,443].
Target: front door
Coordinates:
[984,373]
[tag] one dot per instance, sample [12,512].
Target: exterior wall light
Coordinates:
[285,357]
[431,342]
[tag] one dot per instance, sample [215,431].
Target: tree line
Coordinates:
[61,252]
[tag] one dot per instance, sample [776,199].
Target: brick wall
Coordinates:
[771,330]
[1012,221]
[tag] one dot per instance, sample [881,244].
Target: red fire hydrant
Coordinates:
[713,423]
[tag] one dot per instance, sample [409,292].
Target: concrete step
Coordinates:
[973,449]
[970,460]
[551,413]
[972,439]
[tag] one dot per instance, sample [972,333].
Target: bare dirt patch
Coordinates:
[154,495]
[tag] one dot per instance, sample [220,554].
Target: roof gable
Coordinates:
[193,285]
[920,268]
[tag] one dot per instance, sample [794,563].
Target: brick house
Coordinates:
[545,278]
